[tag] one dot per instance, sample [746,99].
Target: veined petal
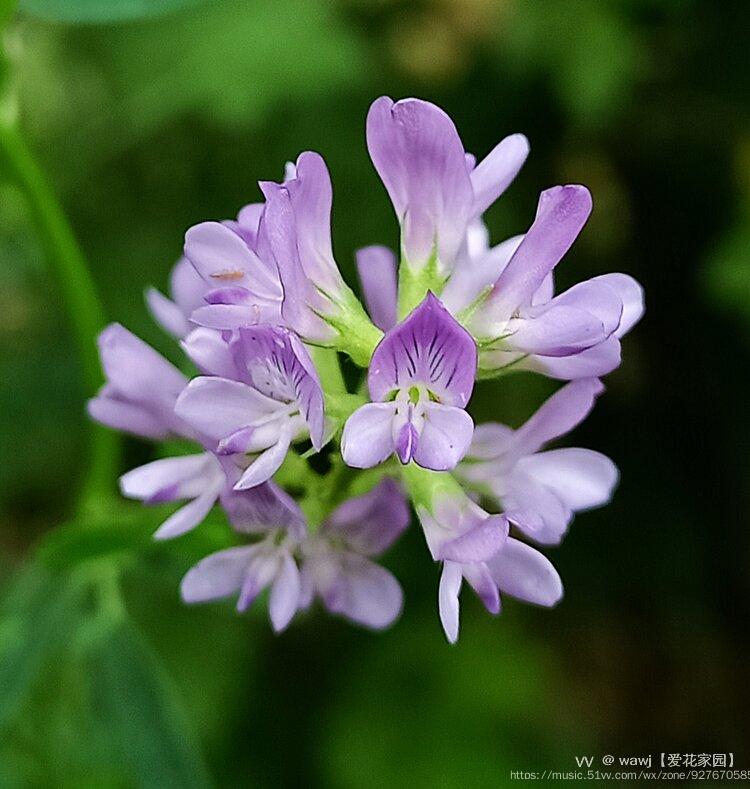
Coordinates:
[274,361]
[420,158]
[445,438]
[372,522]
[522,572]
[367,439]
[376,267]
[494,174]
[429,348]
[448,606]
[581,478]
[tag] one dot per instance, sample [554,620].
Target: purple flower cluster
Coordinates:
[262,313]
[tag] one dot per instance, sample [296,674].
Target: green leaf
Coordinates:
[134,700]
[102,11]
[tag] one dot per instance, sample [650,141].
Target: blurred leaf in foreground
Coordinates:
[101,11]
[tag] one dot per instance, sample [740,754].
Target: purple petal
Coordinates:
[209,352]
[597,297]
[406,442]
[367,439]
[450,585]
[136,371]
[561,214]
[128,417]
[186,286]
[472,276]
[479,543]
[371,523]
[590,363]
[430,348]
[445,437]
[263,508]
[277,363]
[483,584]
[218,575]
[218,407]
[535,508]
[526,574]
[376,267]
[187,517]
[267,463]
[581,478]
[223,258]
[285,594]
[490,440]
[167,314]
[494,174]
[566,409]
[186,475]
[420,158]
[364,592]
[552,330]
[631,295]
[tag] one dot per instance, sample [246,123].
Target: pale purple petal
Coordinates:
[209,352]
[597,297]
[263,508]
[581,478]
[275,362]
[128,417]
[477,544]
[370,523]
[632,298]
[367,439]
[376,267]
[566,409]
[522,572]
[546,291]
[490,440]
[186,286]
[135,370]
[430,348]
[445,437]
[184,476]
[187,517]
[223,258]
[420,158]
[590,363]
[469,279]
[450,585]
[167,313]
[561,214]
[551,330]
[494,174]
[218,407]
[285,594]
[267,463]
[481,581]
[535,508]
[218,575]
[406,438]
[364,592]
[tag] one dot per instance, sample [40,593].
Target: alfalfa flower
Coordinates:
[420,379]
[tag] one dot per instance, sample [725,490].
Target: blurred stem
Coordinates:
[78,294]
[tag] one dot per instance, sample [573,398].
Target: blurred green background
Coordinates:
[147,117]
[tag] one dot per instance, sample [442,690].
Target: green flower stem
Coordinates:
[326,362]
[77,291]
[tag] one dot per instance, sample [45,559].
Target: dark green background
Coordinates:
[147,122]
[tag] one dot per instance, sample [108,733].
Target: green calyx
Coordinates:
[414,284]
[426,487]
[357,334]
